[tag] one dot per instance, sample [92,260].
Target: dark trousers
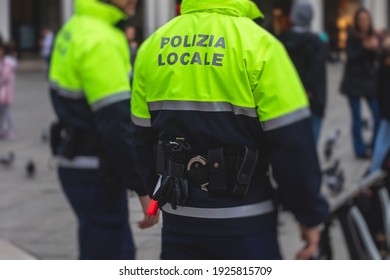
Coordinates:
[360,147]
[316,122]
[102,214]
[262,245]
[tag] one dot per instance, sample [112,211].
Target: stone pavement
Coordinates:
[36,221]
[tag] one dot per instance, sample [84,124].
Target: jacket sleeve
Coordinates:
[105,78]
[283,111]
[114,126]
[144,137]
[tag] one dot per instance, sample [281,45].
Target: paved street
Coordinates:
[35,219]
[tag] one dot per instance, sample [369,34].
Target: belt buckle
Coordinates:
[194,163]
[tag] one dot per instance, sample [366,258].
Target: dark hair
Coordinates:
[356,19]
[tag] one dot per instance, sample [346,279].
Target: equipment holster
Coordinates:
[246,164]
[174,186]
[172,167]
[63,140]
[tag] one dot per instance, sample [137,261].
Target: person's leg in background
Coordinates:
[374,107]
[360,148]
[382,145]
[8,120]
[316,122]
[2,120]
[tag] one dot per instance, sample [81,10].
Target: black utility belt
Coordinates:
[217,172]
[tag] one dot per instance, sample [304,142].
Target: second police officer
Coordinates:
[216,101]
[90,91]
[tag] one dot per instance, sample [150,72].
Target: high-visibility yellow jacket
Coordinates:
[91,58]
[90,88]
[217,79]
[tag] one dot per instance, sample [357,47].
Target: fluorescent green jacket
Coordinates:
[246,68]
[90,58]
[212,76]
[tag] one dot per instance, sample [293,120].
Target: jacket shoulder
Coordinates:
[90,31]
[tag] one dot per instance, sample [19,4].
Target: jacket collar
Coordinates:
[100,10]
[239,8]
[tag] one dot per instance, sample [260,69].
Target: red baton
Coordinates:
[153,207]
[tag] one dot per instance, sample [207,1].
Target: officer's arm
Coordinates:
[283,111]
[105,77]
[144,137]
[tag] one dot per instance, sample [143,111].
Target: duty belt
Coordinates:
[220,171]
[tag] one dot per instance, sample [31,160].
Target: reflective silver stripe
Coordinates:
[257,209]
[66,92]
[79,162]
[110,100]
[202,107]
[286,119]
[141,121]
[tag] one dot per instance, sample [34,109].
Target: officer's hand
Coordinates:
[148,220]
[312,237]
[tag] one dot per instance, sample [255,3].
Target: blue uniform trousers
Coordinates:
[102,214]
[262,244]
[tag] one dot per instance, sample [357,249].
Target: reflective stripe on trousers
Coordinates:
[79,162]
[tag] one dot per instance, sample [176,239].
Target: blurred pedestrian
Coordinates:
[90,91]
[216,100]
[8,65]
[46,43]
[334,42]
[308,53]
[360,78]
[382,144]
[131,34]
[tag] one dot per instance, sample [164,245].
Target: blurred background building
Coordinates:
[21,21]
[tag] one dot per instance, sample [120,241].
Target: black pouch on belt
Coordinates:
[63,140]
[246,164]
[70,142]
[217,171]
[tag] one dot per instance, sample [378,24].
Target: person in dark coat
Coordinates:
[382,143]
[360,77]
[308,54]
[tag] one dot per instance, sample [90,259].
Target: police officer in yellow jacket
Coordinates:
[216,101]
[90,91]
